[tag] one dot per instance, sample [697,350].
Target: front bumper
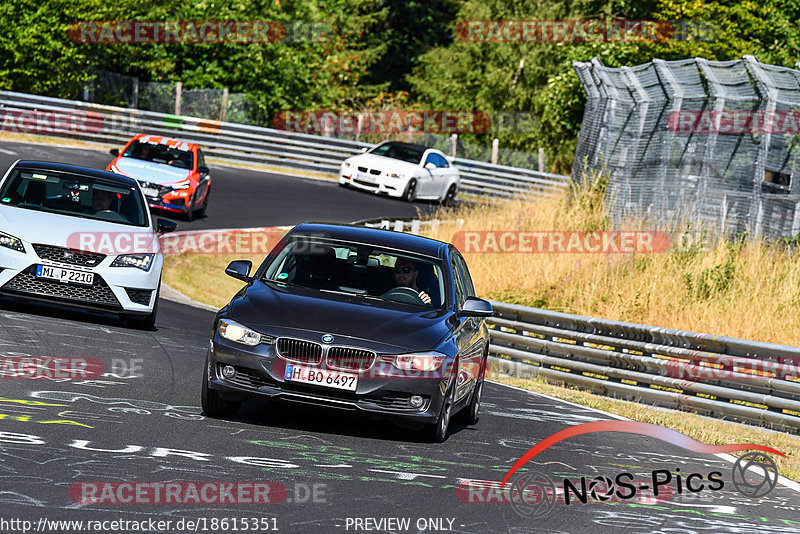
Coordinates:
[393,187]
[115,289]
[382,390]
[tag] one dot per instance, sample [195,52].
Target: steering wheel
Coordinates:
[405,294]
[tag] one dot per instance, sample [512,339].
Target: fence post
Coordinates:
[178,91]
[359,125]
[135,102]
[495,150]
[542,162]
[454,140]
[223,105]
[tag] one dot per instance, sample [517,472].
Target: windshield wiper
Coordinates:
[284,282]
[348,293]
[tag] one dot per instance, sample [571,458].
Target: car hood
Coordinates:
[383,163]
[380,326]
[147,171]
[66,231]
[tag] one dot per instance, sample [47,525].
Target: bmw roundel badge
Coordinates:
[327,338]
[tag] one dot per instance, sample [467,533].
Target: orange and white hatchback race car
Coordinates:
[172,173]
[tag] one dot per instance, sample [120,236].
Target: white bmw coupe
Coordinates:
[82,237]
[402,170]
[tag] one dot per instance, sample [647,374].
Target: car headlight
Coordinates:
[347,164]
[186,184]
[424,361]
[140,261]
[233,331]
[394,175]
[9,241]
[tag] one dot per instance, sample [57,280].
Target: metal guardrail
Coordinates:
[240,143]
[736,379]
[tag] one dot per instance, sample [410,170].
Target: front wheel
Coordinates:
[411,190]
[215,406]
[469,414]
[202,211]
[437,432]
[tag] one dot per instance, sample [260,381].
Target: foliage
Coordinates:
[385,54]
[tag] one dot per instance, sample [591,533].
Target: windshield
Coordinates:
[403,152]
[158,153]
[358,269]
[75,195]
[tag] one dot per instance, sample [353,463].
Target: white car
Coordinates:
[402,170]
[82,237]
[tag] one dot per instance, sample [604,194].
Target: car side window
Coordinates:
[439,161]
[431,158]
[201,160]
[465,276]
[458,283]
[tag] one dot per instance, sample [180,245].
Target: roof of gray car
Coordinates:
[374,236]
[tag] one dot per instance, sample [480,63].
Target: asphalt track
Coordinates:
[145,425]
[243,198]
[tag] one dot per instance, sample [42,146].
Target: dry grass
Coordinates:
[702,429]
[50,140]
[748,290]
[202,276]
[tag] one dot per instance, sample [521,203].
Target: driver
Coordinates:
[405,275]
[144,152]
[101,200]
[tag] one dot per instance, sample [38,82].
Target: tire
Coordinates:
[215,406]
[469,414]
[437,432]
[148,322]
[202,211]
[411,190]
[450,197]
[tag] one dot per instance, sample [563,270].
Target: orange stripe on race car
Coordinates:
[209,126]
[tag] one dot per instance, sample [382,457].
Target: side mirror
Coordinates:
[364,150]
[165,226]
[475,307]
[114,152]
[430,166]
[203,170]
[240,269]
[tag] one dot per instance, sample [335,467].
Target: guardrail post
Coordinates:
[495,150]
[454,140]
[223,108]
[542,161]
[135,99]
[178,91]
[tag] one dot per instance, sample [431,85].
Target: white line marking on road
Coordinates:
[791,484]
[10,152]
